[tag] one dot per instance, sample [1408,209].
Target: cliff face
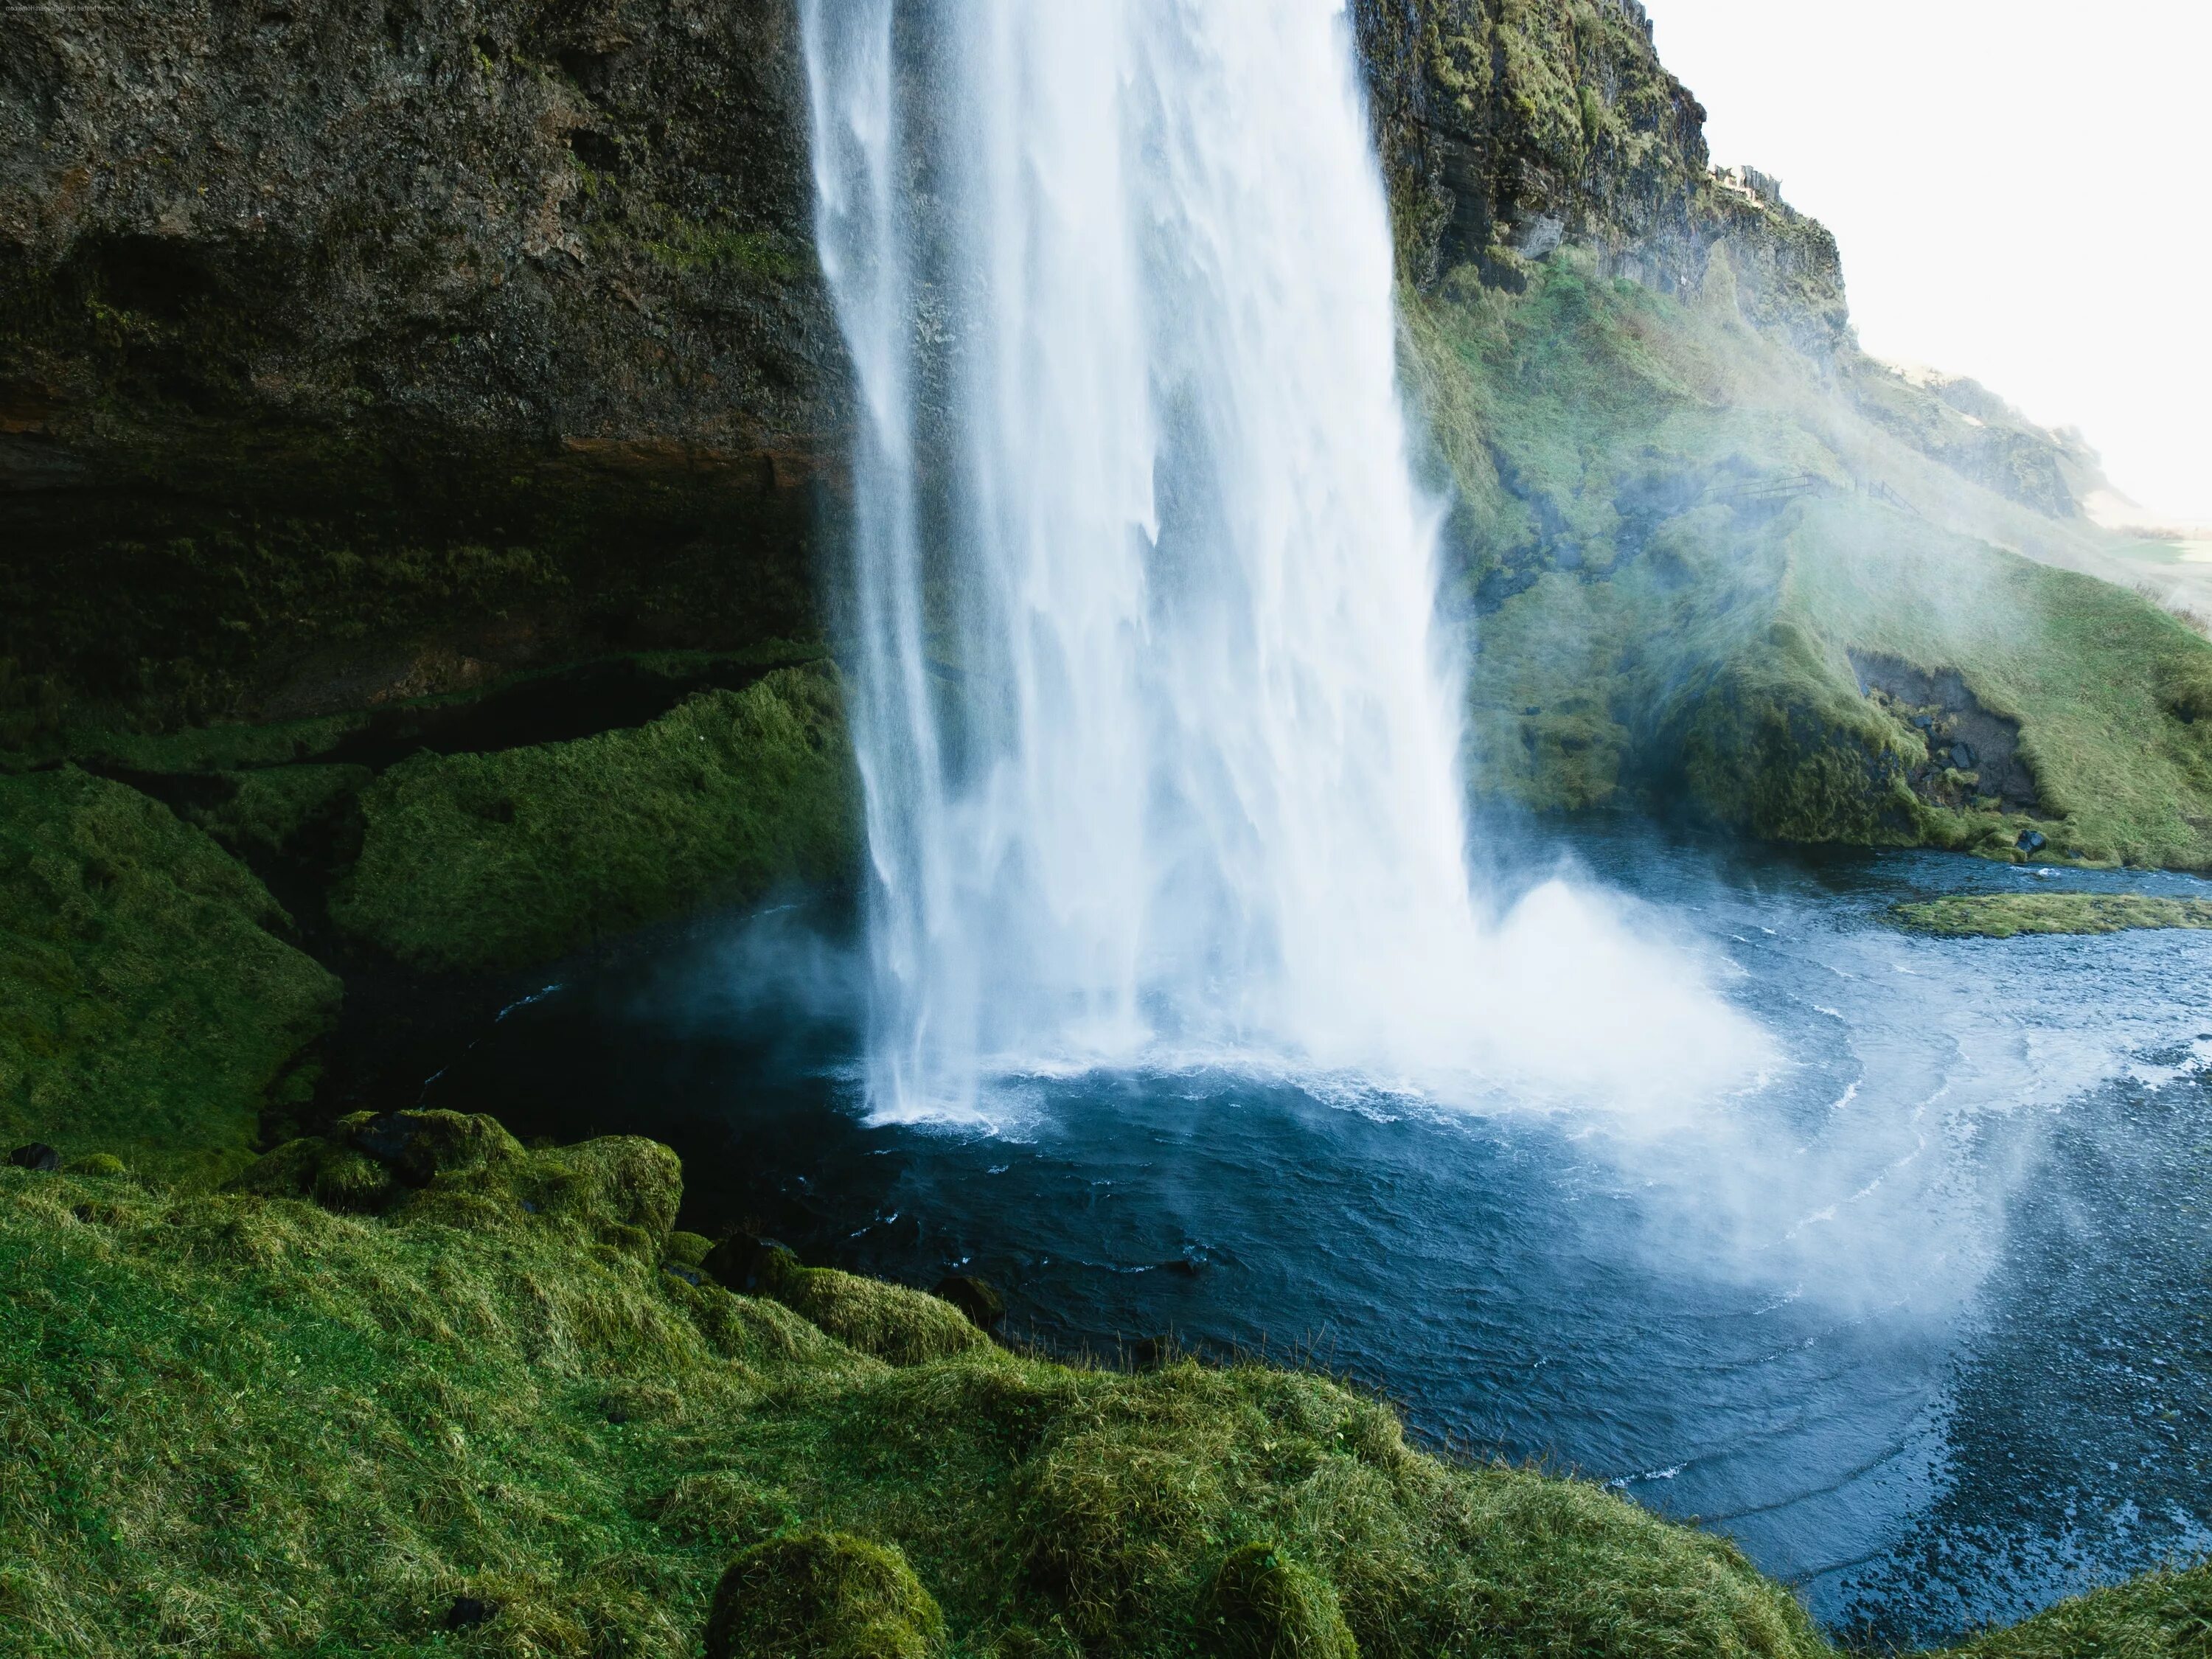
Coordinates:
[322,324]
[1509,128]
[350,353]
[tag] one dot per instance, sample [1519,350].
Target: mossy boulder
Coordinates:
[154,1002]
[493,861]
[823,1595]
[271,810]
[895,1325]
[1263,1605]
[467,1170]
[1779,748]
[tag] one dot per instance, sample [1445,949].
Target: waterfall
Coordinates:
[1158,731]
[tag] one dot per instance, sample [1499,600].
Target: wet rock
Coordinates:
[985,1308]
[37,1156]
[1944,708]
[389,1139]
[2031,843]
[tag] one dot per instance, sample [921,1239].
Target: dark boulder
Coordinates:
[749,1265]
[2031,843]
[37,1156]
[391,1141]
[470,1611]
[985,1308]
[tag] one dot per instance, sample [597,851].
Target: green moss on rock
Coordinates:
[823,1595]
[472,861]
[1262,1605]
[467,1170]
[1677,535]
[2006,916]
[152,1004]
[895,1325]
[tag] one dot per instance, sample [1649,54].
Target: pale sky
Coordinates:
[2019,189]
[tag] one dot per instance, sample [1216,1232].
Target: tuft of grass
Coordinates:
[2005,916]
[823,1595]
[472,861]
[152,1004]
[467,1405]
[1262,1605]
[897,1326]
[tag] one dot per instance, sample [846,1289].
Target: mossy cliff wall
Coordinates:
[358,351]
[1688,514]
[1511,128]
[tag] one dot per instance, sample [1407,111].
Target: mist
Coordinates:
[2019,199]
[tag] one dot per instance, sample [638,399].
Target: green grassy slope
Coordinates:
[280,1423]
[147,999]
[1674,534]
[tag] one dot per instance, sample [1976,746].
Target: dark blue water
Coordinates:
[1922,1321]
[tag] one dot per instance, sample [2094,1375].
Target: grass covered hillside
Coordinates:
[416,1390]
[1808,598]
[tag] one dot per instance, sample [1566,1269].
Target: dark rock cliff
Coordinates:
[325,329]
[350,354]
[1508,128]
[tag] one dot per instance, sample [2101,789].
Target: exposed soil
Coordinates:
[1972,752]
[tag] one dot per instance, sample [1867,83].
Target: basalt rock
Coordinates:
[349,353]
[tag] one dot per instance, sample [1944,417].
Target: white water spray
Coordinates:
[1159,733]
